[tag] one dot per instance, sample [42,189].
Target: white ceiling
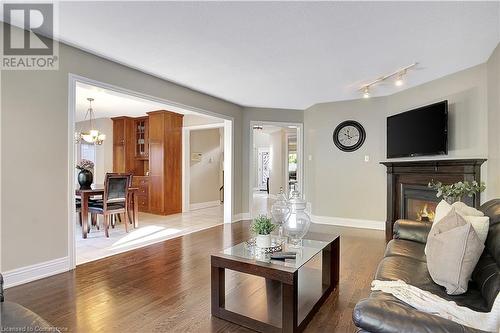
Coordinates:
[286,55]
[108,103]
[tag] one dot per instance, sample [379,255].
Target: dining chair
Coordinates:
[114,199]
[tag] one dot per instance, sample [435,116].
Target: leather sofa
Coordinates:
[404,259]
[16,318]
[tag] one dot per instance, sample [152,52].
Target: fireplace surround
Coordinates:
[408,195]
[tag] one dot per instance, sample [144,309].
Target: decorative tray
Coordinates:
[276,246]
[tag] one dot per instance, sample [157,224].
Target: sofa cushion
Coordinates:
[453,250]
[414,272]
[384,313]
[13,315]
[405,248]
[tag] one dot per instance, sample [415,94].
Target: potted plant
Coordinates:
[455,192]
[262,227]
[85,176]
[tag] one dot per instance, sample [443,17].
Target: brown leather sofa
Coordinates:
[17,318]
[404,259]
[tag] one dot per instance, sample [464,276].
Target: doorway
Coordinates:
[148,232]
[276,163]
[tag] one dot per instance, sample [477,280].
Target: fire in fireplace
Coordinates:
[418,202]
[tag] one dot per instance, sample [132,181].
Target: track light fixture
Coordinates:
[366,92]
[399,79]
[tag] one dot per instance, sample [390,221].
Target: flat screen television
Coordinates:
[418,132]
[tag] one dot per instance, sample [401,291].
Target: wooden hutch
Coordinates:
[151,149]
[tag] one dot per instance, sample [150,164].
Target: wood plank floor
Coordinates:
[165,287]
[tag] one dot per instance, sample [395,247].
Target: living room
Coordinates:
[395,102]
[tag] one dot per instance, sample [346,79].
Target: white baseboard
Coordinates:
[242,217]
[346,222]
[34,272]
[201,205]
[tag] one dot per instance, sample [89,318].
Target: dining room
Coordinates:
[129,173]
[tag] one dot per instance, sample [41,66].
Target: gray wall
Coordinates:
[205,175]
[35,113]
[493,77]
[342,184]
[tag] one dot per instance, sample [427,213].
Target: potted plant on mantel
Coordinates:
[262,227]
[85,176]
[456,192]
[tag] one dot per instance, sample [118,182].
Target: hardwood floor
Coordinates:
[165,287]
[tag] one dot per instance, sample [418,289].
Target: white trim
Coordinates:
[172,106]
[201,205]
[34,272]
[300,155]
[241,217]
[347,222]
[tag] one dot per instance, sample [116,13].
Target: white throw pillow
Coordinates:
[442,209]
[465,210]
[480,223]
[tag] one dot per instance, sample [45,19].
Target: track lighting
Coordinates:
[366,92]
[399,80]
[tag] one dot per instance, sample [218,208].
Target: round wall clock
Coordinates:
[349,135]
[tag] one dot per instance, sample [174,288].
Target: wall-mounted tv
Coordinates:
[418,132]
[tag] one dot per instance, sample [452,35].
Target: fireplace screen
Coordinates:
[420,210]
[418,203]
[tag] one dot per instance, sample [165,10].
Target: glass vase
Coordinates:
[298,223]
[280,212]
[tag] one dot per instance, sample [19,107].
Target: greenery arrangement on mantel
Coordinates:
[456,192]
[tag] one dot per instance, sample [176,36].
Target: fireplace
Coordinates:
[408,196]
[418,203]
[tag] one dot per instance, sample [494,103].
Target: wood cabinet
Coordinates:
[142,182]
[165,162]
[123,144]
[151,149]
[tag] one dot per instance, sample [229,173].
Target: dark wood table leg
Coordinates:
[85,213]
[218,290]
[289,316]
[331,265]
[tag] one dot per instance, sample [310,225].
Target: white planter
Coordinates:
[263,241]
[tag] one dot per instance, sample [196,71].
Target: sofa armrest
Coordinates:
[411,230]
[388,315]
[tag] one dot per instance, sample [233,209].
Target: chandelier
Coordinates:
[91,135]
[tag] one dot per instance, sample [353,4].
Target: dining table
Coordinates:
[98,190]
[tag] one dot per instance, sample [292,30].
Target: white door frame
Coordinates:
[73,79]
[300,156]
[186,159]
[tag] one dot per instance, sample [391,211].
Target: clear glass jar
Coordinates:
[298,223]
[280,212]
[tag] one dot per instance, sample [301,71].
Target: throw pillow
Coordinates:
[465,210]
[442,209]
[479,222]
[453,250]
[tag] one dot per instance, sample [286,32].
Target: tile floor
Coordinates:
[152,229]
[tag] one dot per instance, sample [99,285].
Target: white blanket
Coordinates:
[426,302]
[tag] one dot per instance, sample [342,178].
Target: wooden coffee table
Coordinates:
[273,295]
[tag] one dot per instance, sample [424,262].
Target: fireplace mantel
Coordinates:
[421,173]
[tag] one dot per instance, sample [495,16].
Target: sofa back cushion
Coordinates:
[487,272]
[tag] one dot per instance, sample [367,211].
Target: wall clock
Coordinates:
[349,135]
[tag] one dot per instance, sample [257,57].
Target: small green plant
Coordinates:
[455,192]
[262,225]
